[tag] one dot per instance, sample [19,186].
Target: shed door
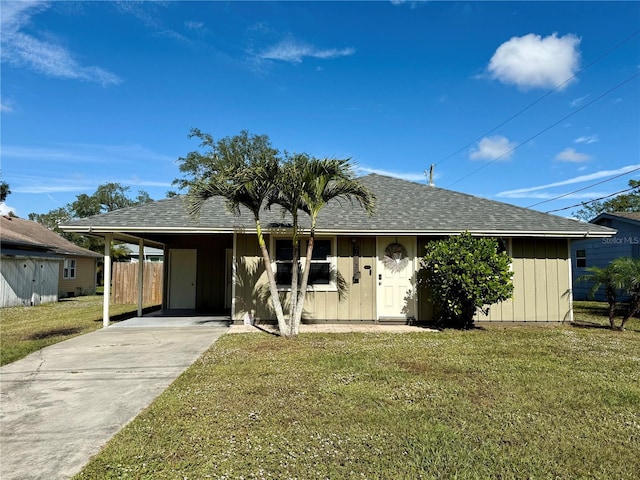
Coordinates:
[396,275]
[182,279]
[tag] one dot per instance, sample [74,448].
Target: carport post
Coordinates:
[140,275]
[107,279]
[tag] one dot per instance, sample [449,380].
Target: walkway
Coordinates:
[60,405]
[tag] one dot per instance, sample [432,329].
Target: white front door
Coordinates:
[396,277]
[182,279]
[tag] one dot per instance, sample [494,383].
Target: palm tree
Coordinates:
[628,277]
[326,180]
[290,184]
[243,169]
[609,278]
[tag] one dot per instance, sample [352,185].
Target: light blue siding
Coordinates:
[600,252]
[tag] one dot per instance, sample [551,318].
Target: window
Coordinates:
[69,270]
[320,272]
[284,261]
[321,267]
[581,258]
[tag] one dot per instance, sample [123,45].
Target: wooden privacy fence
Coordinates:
[124,283]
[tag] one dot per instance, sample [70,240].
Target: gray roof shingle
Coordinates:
[17,232]
[402,207]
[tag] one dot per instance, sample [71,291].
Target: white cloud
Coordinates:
[43,56]
[85,153]
[192,25]
[576,102]
[571,155]
[295,52]
[532,61]
[588,139]
[47,185]
[5,107]
[492,148]
[526,192]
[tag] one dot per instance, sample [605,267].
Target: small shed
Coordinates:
[38,266]
[28,278]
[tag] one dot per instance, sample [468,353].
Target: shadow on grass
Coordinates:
[587,324]
[55,333]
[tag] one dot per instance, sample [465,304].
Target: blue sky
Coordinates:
[518,102]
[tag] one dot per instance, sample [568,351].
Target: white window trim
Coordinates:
[332,286]
[67,269]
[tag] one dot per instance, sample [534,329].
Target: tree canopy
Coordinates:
[625,202]
[107,197]
[4,191]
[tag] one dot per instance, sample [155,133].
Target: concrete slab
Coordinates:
[334,328]
[60,405]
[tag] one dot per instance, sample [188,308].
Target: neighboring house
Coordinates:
[150,254]
[599,252]
[213,262]
[40,266]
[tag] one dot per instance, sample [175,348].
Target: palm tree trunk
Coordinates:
[305,278]
[612,314]
[294,283]
[634,307]
[273,288]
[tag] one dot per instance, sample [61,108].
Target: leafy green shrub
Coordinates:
[464,274]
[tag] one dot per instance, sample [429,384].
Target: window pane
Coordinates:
[284,250]
[581,253]
[581,262]
[319,274]
[321,249]
[283,273]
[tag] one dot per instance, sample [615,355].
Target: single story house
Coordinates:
[213,264]
[600,252]
[40,266]
[150,254]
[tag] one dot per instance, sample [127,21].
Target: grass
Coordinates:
[24,330]
[499,402]
[596,314]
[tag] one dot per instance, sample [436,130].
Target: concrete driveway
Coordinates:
[60,405]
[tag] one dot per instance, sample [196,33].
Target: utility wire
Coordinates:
[520,112]
[591,201]
[579,109]
[584,188]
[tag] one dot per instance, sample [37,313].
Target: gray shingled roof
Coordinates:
[402,207]
[633,216]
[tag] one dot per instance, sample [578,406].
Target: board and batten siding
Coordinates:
[27,281]
[252,289]
[84,282]
[541,284]
[541,280]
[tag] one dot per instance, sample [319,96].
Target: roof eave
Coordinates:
[100,231]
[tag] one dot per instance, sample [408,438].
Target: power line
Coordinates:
[591,201]
[584,188]
[520,112]
[579,109]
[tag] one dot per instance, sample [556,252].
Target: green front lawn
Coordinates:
[24,330]
[500,402]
